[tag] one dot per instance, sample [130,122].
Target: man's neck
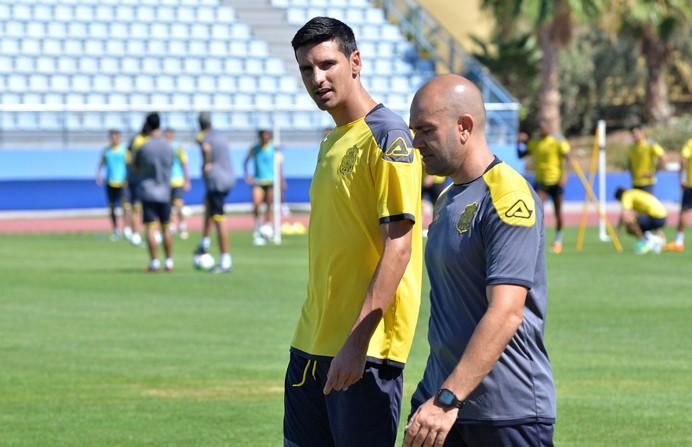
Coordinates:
[355,107]
[474,166]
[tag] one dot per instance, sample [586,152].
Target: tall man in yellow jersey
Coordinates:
[644,158]
[344,379]
[678,245]
[644,217]
[550,153]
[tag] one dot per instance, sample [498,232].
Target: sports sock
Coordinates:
[154,264]
[558,236]
[205,243]
[680,238]
[168,263]
[226,261]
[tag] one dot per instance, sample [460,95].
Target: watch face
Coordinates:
[445,397]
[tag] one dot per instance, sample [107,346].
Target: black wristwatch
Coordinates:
[446,398]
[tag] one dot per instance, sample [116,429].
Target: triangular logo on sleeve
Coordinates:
[398,148]
[519,210]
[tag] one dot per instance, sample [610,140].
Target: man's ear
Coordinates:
[356,64]
[465,126]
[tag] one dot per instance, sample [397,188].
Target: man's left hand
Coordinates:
[346,368]
[430,425]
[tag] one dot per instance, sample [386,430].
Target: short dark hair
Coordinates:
[636,126]
[262,131]
[113,132]
[168,129]
[204,120]
[152,121]
[619,192]
[323,29]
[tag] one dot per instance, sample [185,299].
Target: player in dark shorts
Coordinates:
[114,160]
[219,179]
[153,163]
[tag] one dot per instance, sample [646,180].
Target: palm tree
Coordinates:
[553,22]
[657,24]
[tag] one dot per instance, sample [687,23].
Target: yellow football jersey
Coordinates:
[643,202]
[367,174]
[686,154]
[642,158]
[548,154]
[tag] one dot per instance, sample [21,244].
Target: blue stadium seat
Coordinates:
[6,65]
[36,29]
[213,65]
[144,83]
[88,65]
[21,12]
[77,30]
[73,47]
[24,64]
[16,83]
[226,84]
[38,83]
[56,30]
[130,65]
[49,121]
[115,47]
[96,98]
[159,99]
[233,66]
[104,13]
[45,65]
[192,65]
[9,46]
[222,100]
[240,121]
[206,84]
[102,83]
[110,65]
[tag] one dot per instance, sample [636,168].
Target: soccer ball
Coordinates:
[267,231]
[203,262]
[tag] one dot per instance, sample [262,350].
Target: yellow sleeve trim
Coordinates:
[511,196]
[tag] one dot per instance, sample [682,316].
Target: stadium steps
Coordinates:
[269,24]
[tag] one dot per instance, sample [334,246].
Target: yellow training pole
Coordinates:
[613,235]
[585,207]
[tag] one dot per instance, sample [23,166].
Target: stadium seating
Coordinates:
[177,54]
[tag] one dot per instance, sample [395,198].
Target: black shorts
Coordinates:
[156,211]
[648,223]
[266,187]
[133,193]
[176,194]
[553,191]
[686,202]
[114,194]
[214,201]
[366,414]
[520,435]
[432,192]
[647,188]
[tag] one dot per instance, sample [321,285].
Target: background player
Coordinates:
[644,158]
[133,182]
[262,181]
[644,217]
[153,163]
[219,179]
[550,154]
[180,183]
[678,245]
[114,159]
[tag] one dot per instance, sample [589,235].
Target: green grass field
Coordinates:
[93,351]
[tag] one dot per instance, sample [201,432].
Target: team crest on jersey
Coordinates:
[520,210]
[398,150]
[466,217]
[349,161]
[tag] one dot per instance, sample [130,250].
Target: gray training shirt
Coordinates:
[221,177]
[489,231]
[154,163]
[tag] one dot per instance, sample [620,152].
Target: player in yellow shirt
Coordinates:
[644,158]
[644,217]
[678,245]
[344,378]
[550,153]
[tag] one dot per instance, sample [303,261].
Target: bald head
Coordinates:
[451,94]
